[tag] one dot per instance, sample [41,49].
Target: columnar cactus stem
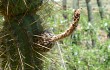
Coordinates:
[19,14]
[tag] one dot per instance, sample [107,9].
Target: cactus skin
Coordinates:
[19,30]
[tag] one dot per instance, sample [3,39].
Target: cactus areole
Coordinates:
[24,40]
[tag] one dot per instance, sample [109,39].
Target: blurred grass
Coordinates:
[82,56]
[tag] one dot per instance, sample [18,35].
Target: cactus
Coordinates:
[18,32]
[24,40]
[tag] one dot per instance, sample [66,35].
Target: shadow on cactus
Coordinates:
[23,38]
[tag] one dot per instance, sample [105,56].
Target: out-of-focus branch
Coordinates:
[69,31]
